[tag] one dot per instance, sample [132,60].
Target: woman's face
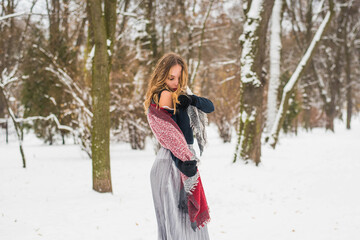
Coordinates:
[174,77]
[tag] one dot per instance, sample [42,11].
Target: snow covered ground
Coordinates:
[308,188]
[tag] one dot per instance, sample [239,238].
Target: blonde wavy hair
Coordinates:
[159,76]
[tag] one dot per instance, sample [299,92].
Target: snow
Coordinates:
[318,7]
[92,53]
[249,38]
[8,77]
[305,189]
[227,79]
[12,15]
[255,9]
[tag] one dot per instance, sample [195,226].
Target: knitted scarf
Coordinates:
[169,135]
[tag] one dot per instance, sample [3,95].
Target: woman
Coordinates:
[173,115]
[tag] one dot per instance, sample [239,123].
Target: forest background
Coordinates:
[268,66]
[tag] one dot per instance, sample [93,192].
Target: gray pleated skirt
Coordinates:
[173,223]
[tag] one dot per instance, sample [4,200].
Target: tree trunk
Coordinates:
[17,128]
[54,25]
[275,60]
[307,79]
[348,88]
[7,131]
[103,25]
[332,107]
[248,145]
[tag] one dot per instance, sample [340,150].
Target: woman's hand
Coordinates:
[188,168]
[186,100]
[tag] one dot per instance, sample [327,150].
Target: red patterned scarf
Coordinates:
[169,135]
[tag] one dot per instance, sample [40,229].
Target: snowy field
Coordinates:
[308,188]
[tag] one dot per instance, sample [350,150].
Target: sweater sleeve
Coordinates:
[204,104]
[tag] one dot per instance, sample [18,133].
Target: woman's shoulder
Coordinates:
[165,91]
[165,98]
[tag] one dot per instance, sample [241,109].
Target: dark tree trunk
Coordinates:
[332,108]
[63,137]
[103,28]
[349,104]
[309,77]
[7,131]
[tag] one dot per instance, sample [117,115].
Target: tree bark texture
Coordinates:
[348,56]
[332,107]
[248,145]
[308,78]
[103,26]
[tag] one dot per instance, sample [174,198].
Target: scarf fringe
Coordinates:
[198,122]
[204,220]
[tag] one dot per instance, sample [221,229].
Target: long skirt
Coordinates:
[173,222]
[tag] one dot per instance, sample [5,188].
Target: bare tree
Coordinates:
[5,80]
[274,134]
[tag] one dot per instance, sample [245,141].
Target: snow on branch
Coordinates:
[84,113]
[248,39]
[129,14]
[227,79]
[7,78]
[317,11]
[64,78]
[13,15]
[307,54]
[20,14]
[50,117]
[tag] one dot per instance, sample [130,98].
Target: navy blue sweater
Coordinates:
[182,118]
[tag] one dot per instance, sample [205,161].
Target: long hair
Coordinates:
[159,76]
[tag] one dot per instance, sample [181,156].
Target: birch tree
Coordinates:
[103,25]
[275,60]
[274,134]
[248,146]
